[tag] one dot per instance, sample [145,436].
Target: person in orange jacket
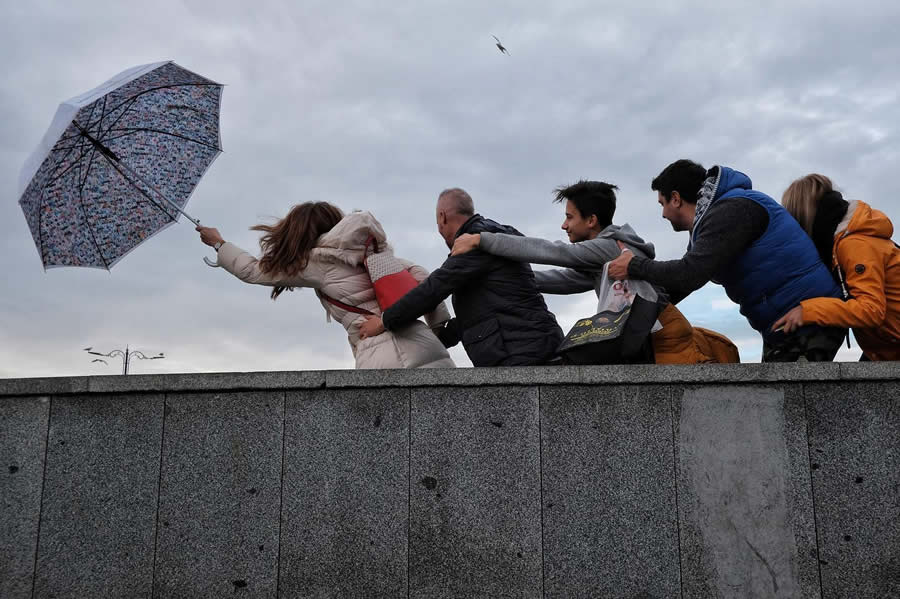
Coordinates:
[854,240]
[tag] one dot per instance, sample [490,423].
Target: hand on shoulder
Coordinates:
[465,243]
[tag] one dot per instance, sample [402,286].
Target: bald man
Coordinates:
[501,317]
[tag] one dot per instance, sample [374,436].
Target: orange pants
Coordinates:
[680,343]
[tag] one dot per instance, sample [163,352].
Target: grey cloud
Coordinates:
[381,107]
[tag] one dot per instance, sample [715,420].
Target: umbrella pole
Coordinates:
[158,192]
[119,163]
[116,163]
[114,160]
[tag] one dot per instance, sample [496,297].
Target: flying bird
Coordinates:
[500,46]
[98,360]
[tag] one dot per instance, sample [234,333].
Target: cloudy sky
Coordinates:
[379,106]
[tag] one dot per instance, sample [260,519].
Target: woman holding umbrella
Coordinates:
[317,246]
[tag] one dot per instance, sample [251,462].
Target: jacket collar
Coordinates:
[843,226]
[467,225]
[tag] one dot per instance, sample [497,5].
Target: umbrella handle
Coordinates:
[210,262]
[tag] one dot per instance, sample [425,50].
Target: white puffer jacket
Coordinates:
[335,269]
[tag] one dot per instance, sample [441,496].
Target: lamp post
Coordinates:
[125,355]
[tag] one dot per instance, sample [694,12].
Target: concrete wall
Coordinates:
[630,481]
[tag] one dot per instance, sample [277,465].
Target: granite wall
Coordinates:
[630,481]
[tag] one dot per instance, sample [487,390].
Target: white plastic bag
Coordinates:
[615,295]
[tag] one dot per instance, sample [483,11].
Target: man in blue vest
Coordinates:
[745,241]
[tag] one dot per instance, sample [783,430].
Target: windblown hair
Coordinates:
[684,176]
[802,197]
[286,244]
[590,197]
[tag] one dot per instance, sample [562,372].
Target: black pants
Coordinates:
[592,353]
[813,342]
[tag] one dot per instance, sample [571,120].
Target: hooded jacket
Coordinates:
[870,264]
[335,268]
[779,269]
[676,343]
[501,317]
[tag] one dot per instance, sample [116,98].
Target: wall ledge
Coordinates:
[456,377]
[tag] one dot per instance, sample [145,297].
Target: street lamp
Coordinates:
[125,355]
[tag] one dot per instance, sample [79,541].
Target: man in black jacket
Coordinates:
[501,317]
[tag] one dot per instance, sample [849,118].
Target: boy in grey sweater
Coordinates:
[590,206]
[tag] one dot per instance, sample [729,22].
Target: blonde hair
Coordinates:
[801,198]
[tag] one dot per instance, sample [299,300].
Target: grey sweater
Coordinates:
[583,261]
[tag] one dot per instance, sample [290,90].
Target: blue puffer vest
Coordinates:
[777,271]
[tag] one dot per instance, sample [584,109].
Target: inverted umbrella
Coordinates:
[119,164]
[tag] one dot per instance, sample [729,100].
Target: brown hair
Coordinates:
[801,198]
[286,244]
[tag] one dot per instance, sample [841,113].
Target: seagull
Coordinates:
[99,360]
[500,46]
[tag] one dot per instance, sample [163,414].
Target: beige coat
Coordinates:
[335,268]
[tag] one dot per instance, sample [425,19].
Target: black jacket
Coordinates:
[501,316]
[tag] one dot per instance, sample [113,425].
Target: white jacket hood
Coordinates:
[346,242]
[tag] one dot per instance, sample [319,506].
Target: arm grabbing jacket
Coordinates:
[454,273]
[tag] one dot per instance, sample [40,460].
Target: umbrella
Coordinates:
[119,164]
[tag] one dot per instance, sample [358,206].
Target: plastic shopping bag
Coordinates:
[620,331]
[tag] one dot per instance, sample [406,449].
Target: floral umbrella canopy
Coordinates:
[119,164]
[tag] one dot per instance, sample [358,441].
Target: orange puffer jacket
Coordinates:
[680,343]
[870,263]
